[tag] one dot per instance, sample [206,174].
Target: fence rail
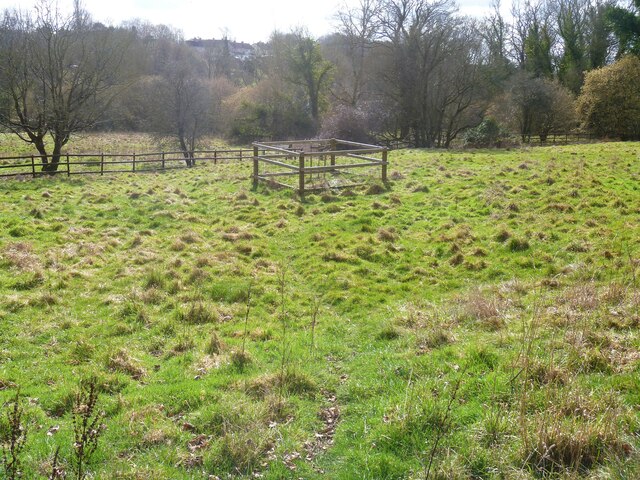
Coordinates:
[102,163]
[310,161]
[557,138]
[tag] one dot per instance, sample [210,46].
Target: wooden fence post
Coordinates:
[301,175]
[162,160]
[384,165]
[102,163]
[33,167]
[333,149]
[255,167]
[215,157]
[68,166]
[240,154]
[134,161]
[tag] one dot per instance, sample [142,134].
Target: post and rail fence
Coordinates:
[114,163]
[110,163]
[315,164]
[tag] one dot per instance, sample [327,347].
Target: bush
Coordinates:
[487,134]
[347,123]
[535,106]
[609,104]
[266,111]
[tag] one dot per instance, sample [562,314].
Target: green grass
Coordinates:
[511,273]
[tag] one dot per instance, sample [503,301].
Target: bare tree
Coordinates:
[57,75]
[181,100]
[358,28]
[430,69]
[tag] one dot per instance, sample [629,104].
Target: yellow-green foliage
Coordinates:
[610,100]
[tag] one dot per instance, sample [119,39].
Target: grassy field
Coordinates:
[476,318]
[12,146]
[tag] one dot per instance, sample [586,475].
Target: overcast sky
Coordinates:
[242,20]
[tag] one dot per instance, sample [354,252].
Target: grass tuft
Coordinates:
[197,313]
[123,363]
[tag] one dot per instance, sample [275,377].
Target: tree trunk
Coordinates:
[188,156]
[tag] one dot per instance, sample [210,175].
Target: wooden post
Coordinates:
[33,167]
[215,157]
[255,167]
[333,149]
[68,166]
[134,162]
[301,175]
[102,164]
[240,154]
[384,165]
[162,156]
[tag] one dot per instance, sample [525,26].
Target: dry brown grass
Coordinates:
[215,345]
[483,307]
[581,297]
[234,233]
[190,237]
[122,362]
[576,434]
[20,256]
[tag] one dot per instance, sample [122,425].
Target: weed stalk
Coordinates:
[282,287]
[87,426]
[246,319]
[443,425]
[16,439]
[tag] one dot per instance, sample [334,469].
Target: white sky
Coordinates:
[243,20]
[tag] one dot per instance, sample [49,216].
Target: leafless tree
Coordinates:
[181,100]
[358,28]
[57,75]
[430,70]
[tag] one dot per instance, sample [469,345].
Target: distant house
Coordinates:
[238,50]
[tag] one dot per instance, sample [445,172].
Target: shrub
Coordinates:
[487,134]
[348,123]
[610,99]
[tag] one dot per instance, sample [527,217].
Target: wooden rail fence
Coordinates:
[103,163]
[557,138]
[310,161]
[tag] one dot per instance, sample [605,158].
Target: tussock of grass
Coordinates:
[561,446]
[20,255]
[389,332]
[387,235]
[292,382]
[240,359]
[197,313]
[435,337]
[486,308]
[503,235]
[122,362]
[215,345]
[184,343]
[154,279]
[376,189]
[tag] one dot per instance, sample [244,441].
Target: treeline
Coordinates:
[410,70]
